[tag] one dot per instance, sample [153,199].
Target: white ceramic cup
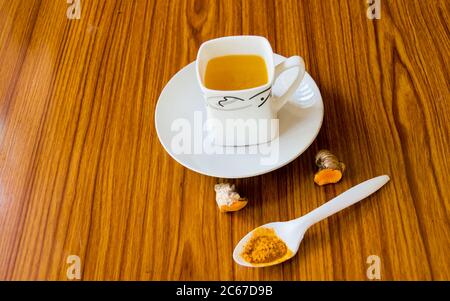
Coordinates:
[245,117]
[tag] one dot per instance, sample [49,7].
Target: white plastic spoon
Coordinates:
[292,232]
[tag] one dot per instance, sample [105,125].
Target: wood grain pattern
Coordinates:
[82,171]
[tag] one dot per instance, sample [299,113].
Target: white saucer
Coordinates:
[300,122]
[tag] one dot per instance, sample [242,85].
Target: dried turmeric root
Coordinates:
[233,207]
[330,168]
[228,199]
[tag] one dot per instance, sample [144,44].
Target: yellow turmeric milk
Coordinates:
[265,247]
[236,72]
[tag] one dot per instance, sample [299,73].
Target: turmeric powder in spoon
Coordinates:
[264,247]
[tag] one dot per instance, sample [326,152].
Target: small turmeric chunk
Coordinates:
[238,205]
[327,176]
[228,199]
[330,168]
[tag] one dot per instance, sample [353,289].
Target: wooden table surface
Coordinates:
[82,171]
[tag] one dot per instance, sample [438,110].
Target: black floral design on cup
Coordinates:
[228,103]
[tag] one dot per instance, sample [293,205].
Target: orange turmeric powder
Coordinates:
[264,247]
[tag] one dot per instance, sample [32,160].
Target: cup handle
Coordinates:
[292,62]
